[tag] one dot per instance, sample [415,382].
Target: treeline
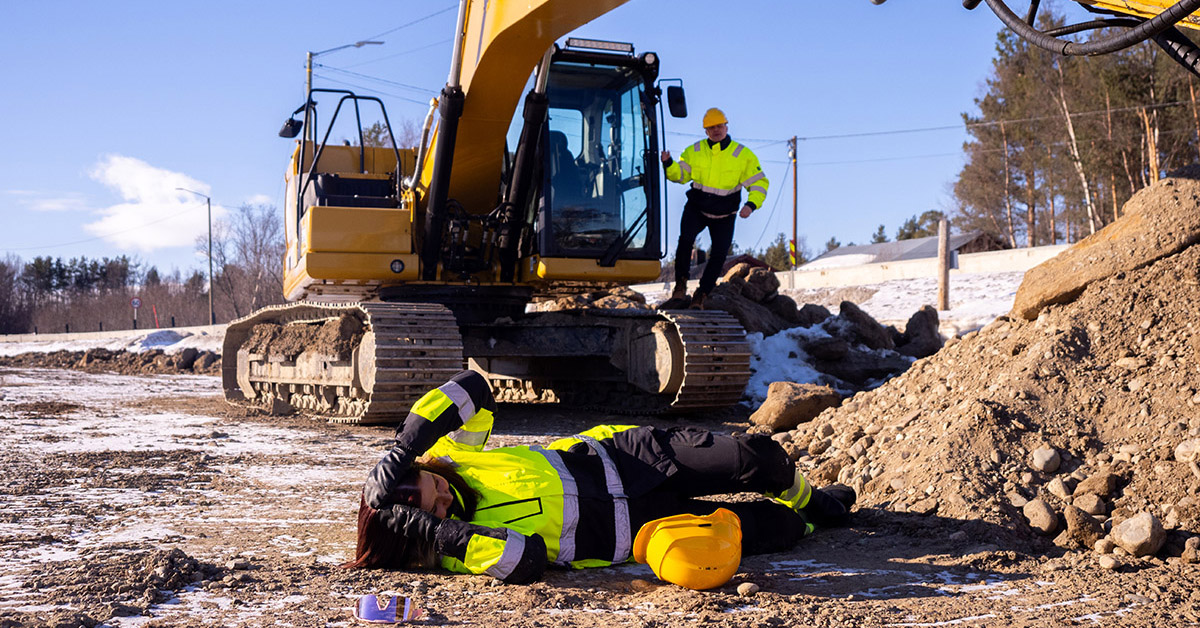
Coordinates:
[50,295]
[1059,144]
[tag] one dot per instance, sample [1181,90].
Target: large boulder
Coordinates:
[1159,220]
[753,316]
[921,338]
[785,308]
[858,326]
[789,404]
[1140,535]
[812,314]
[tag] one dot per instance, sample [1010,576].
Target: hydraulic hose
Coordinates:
[1148,29]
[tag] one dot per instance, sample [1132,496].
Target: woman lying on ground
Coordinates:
[578,502]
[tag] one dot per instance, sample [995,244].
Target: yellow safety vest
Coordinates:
[526,490]
[721,171]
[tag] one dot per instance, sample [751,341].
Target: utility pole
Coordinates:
[308,67]
[795,203]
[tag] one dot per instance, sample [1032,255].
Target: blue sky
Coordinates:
[110,106]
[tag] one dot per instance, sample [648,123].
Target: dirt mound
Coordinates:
[333,337]
[1044,409]
[139,579]
[156,361]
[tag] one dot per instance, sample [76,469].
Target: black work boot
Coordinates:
[679,298]
[830,507]
[698,300]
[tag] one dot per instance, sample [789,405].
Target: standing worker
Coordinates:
[718,169]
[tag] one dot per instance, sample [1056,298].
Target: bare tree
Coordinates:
[248,249]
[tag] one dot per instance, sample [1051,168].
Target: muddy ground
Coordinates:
[146,501]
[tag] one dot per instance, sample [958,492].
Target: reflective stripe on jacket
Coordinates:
[721,171]
[529,490]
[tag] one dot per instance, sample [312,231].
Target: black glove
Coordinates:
[411,523]
[386,475]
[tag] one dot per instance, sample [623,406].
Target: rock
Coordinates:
[1140,535]
[1191,551]
[785,308]
[1059,489]
[920,338]
[1159,220]
[926,506]
[206,360]
[1102,484]
[1188,450]
[819,446]
[747,589]
[789,404]
[959,536]
[828,472]
[1041,517]
[812,314]
[861,328]
[1091,504]
[186,358]
[1104,546]
[754,317]
[1045,459]
[859,368]
[1082,529]
[1109,562]
[825,349]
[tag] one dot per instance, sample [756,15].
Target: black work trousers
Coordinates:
[707,464]
[720,231]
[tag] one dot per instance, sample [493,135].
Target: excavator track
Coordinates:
[710,366]
[386,356]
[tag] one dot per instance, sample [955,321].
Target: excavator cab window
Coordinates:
[596,188]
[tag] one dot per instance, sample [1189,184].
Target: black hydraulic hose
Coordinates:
[1142,32]
[1032,14]
[1070,29]
[1181,49]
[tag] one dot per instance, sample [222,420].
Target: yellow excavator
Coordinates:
[406,264]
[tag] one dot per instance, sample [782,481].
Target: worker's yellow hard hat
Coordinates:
[713,117]
[692,551]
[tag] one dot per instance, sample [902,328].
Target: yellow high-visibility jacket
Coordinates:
[537,505]
[722,170]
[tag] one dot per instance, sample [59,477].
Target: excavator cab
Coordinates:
[601,184]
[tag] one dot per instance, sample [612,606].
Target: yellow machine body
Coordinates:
[692,551]
[1144,8]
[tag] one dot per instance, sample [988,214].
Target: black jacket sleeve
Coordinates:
[435,415]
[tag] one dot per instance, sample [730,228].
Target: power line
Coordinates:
[416,21]
[400,54]
[423,103]
[368,77]
[787,172]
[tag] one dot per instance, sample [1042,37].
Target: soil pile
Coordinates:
[155,361]
[1094,399]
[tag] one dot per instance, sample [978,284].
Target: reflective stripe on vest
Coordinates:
[570,505]
[698,145]
[738,151]
[758,177]
[717,191]
[685,166]
[460,397]
[624,540]
[514,547]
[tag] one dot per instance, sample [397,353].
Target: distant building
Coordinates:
[916,248]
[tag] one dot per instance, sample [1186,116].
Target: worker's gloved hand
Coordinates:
[666,156]
[747,209]
[411,523]
[385,477]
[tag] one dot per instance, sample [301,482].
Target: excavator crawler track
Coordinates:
[710,360]
[359,363]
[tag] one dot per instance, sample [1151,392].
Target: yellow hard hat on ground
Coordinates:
[692,551]
[713,117]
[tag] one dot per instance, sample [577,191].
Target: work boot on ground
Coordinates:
[698,300]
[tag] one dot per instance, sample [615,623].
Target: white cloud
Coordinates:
[42,202]
[154,214]
[260,199]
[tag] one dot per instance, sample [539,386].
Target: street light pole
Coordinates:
[212,317]
[308,67]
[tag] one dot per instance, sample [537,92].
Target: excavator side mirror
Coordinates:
[291,128]
[676,101]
